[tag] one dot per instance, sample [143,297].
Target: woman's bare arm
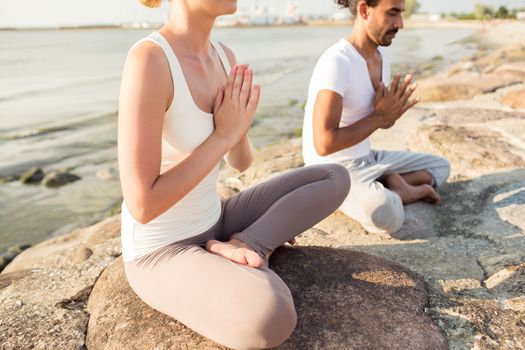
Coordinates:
[146,93]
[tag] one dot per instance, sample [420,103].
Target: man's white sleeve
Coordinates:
[332,73]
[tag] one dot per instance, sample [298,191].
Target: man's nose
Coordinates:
[400,23]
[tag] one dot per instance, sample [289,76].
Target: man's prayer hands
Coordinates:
[392,102]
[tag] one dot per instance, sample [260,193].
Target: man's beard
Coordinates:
[386,39]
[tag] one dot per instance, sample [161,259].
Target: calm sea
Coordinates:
[58,107]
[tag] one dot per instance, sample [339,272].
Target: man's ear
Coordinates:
[362,9]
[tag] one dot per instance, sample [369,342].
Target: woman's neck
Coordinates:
[191,29]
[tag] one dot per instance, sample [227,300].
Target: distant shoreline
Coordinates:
[321,23]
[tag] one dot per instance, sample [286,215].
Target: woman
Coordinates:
[186,253]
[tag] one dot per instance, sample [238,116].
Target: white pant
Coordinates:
[377,208]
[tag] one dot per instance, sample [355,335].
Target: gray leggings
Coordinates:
[232,304]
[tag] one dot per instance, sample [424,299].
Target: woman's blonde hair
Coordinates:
[151,3]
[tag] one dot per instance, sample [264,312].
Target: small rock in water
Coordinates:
[18,248]
[6,258]
[6,179]
[56,179]
[106,174]
[33,175]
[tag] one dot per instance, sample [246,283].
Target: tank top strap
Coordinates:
[176,70]
[222,56]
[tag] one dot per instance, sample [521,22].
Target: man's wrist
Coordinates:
[376,120]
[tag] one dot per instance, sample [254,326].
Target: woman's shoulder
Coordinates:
[147,64]
[146,51]
[147,59]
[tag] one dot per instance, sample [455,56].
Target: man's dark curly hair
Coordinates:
[352,4]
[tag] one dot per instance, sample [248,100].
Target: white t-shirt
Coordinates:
[342,69]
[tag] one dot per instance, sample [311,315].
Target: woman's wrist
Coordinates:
[223,143]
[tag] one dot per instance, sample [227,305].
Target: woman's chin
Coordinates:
[231,7]
[231,10]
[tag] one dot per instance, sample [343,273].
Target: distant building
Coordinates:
[291,15]
[520,15]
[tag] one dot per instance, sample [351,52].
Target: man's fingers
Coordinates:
[408,93]
[395,83]
[410,105]
[380,91]
[246,86]
[404,84]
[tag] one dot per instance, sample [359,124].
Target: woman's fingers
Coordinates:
[229,84]
[246,86]
[218,99]
[237,83]
[254,99]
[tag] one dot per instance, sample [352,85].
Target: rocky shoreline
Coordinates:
[452,277]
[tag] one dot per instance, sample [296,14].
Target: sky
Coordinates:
[49,13]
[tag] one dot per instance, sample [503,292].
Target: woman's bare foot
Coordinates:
[410,194]
[235,250]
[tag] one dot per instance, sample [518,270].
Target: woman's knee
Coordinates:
[270,325]
[340,180]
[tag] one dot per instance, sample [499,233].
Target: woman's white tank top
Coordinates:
[186,126]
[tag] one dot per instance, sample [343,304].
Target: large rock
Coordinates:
[44,291]
[474,150]
[479,75]
[66,248]
[344,300]
[468,116]
[45,309]
[470,251]
[464,86]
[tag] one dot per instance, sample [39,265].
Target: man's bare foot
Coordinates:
[429,194]
[410,194]
[235,250]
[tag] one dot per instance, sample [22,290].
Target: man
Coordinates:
[348,100]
